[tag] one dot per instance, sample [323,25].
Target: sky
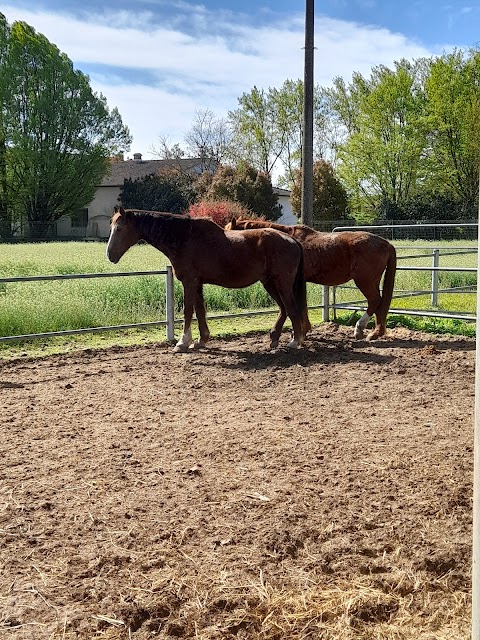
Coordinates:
[162,61]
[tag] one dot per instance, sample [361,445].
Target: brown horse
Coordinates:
[336,258]
[201,252]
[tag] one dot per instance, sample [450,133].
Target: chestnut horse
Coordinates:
[202,252]
[336,258]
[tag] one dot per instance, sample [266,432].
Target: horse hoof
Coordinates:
[293,344]
[358,334]
[180,348]
[196,346]
[273,345]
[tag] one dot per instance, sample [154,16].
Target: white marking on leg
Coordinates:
[361,326]
[184,342]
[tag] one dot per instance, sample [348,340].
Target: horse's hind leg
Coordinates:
[374,300]
[296,317]
[201,319]
[276,331]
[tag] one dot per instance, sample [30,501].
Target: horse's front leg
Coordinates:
[201,319]
[189,293]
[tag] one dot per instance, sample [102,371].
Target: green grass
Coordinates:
[40,307]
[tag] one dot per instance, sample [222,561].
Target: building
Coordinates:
[94,221]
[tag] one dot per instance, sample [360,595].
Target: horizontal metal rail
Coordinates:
[434,269]
[407,226]
[466,269]
[72,332]
[169,303]
[82,276]
[467,316]
[170,320]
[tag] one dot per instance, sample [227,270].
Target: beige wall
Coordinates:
[100,211]
[101,208]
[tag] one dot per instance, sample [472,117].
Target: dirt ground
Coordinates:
[239,493]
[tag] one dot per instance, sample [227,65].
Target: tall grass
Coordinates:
[40,307]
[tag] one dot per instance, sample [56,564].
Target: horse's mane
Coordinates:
[286,228]
[163,227]
[168,228]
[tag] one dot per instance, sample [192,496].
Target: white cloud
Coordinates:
[205,70]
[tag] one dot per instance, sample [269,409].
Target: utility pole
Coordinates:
[307,142]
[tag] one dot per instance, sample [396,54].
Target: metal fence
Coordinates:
[397,230]
[329,305]
[435,269]
[168,323]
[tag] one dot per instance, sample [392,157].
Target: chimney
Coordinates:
[137,156]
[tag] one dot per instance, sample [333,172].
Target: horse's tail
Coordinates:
[300,291]
[388,283]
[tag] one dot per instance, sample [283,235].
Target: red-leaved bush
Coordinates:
[221,211]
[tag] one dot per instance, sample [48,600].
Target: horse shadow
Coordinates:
[440,344]
[331,349]
[315,353]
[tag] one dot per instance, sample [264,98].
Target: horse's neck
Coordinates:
[167,234]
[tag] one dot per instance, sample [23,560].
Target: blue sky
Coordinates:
[159,61]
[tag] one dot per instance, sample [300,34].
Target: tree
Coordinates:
[256,136]
[453,93]
[287,103]
[383,156]
[208,139]
[59,133]
[170,191]
[6,213]
[242,184]
[330,201]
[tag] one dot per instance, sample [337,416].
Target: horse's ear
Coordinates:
[233,223]
[119,210]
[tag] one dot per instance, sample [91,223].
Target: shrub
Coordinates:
[244,184]
[169,191]
[221,211]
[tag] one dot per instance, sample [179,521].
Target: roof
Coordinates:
[135,169]
[121,170]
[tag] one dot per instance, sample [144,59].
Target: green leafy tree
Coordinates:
[330,201]
[453,93]
[256,137]
[59,133]
[243,184]
[383,156]
[170,191]
[6,213]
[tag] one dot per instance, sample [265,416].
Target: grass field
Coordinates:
[38,307]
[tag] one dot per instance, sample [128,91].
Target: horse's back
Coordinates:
[236,259]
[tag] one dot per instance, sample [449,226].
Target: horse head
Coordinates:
[232,225]
[123,234]
[235,225]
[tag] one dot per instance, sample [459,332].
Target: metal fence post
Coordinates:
[169,305]
[435,264]
[325,303]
